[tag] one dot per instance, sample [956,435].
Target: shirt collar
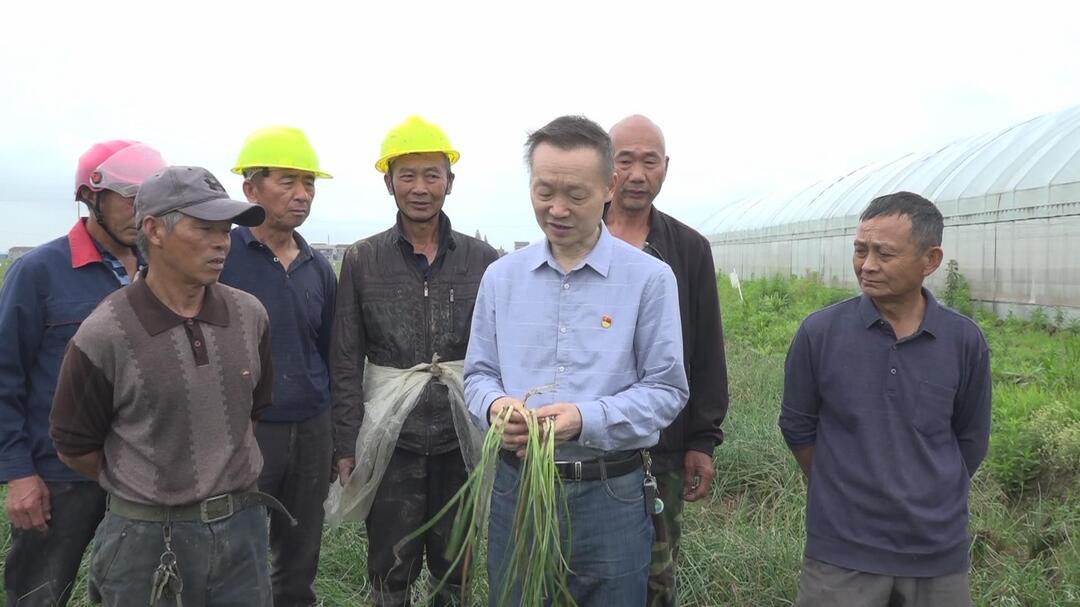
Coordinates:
[248,238]
[107,256]
[654,239]
[157,318]
[931,322]
[446,235]
[599,258]
[245,235]
[932,318]
[83,250]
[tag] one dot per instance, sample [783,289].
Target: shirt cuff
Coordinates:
[16,467]
[800,442]
[592,425]
[705,445]
[483,420]
[343,447]
[74,444]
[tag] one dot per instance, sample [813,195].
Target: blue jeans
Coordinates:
[222,564]
[608,547]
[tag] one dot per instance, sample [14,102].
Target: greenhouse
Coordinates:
[1011,201]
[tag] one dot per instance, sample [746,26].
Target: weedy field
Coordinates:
[742,545]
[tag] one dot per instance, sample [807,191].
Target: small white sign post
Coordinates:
[734,277]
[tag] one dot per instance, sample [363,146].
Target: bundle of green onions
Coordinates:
[537,565]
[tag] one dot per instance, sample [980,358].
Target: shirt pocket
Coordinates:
[460,304]
[934,409]
[381,307]
[63,318]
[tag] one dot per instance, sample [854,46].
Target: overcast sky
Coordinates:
[752,96]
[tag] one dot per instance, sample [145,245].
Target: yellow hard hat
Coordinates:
[414,136]
[278,147]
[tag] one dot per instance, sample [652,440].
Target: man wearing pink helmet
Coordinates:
[45,296]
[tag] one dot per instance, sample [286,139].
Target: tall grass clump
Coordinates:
[772,308]
[1035,442]
[957,293]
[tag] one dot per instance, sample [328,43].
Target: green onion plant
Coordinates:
[537,565]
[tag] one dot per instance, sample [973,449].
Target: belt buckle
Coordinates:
[211,512]
[575,468]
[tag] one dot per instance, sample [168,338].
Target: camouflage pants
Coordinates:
[665,549]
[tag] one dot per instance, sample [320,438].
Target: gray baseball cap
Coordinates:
[195,192]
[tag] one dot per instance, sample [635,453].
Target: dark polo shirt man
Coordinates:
[155,400]
[887,408]
[297,286]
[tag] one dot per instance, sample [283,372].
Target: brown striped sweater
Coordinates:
[169,400]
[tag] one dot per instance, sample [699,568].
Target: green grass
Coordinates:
[742,545]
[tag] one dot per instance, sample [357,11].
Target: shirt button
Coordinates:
[189,322]
[562,329]
[561,369]
[893,371]
[198,344]
[566,285]
[276,259]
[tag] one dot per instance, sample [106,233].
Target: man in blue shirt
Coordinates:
[887,409]
[45,297]
[599,319]
[298,287]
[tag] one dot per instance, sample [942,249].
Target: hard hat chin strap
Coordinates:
[99,217]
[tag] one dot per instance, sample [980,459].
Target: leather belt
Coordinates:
[210,510]
[611,466]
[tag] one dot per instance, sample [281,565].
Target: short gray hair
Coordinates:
[570,133]
[169,219]
[252,174]
[927,223]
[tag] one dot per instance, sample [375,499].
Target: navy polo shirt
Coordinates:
[898,429]
[300,304]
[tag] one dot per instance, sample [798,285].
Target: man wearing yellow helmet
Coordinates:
[297,286]
[405,305]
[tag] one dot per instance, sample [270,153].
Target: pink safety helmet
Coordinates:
[119,165]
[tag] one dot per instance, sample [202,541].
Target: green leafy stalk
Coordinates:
[537,564]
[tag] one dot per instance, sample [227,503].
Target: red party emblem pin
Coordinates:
[605,321]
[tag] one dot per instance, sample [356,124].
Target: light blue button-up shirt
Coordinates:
[607,334]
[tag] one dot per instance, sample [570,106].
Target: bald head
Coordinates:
[641,162]
[638,127]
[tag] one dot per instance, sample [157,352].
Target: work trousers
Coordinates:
[665,548]
[414,488]
[40,568]
[825,585]
[222,564]
[296,470]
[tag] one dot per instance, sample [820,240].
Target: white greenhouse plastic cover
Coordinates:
[1034,163]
